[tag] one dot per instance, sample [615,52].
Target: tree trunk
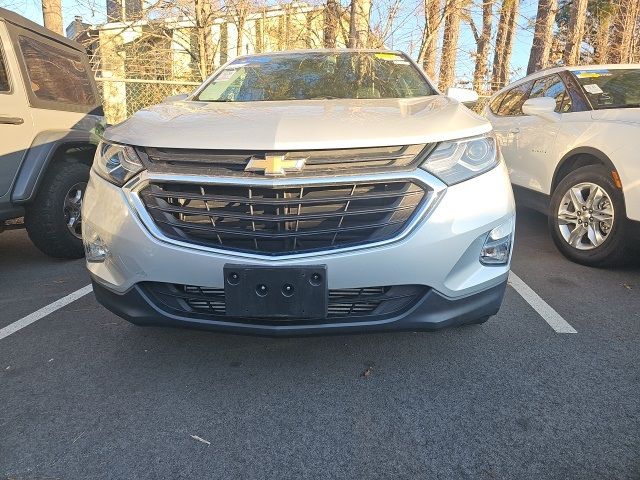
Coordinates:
[483,46]
[429,46]
[359,23]
[52,15]
[575,32]
[240,28]
[543,35]
[504,44]
[508,44]
[331,18]
[624,29]
[603,33]
[450,43]
[205,42]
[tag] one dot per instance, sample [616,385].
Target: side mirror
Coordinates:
[175,98]
[462,95]
[543,107]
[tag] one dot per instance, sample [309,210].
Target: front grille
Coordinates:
[351,304]
[283,220]
[317,162]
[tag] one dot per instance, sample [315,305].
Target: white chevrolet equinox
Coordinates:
[571,139]
[302,192]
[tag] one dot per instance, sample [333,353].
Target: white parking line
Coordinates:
[43,312]
[552,317]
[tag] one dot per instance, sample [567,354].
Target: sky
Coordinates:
[404,37]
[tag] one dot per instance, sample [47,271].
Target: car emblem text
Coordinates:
[275,165]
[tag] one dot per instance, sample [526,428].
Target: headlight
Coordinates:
[455,161]
[116,163]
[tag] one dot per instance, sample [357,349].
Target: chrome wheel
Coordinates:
[585,216]
[72,209]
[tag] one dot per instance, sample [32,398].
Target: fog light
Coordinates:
[95,249]
[497,247]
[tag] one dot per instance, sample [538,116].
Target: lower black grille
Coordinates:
[283,220]
[350,304]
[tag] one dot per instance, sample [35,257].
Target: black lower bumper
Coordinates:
[433,311]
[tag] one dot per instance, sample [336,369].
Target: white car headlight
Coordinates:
[455,161]
[116,163]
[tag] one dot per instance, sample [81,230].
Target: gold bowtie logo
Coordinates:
[275,165]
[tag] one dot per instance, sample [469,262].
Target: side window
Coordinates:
[513,100]
[552,87]
[55,74]
[4,78]
[494,105]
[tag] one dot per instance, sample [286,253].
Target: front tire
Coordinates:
[587,217]
[53,220]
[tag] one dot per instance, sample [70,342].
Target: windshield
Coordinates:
[316,75]
[615,88]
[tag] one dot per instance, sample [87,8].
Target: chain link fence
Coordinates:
[122,97]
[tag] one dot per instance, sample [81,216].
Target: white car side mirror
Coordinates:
[175,98]
[543,107]
[462,95]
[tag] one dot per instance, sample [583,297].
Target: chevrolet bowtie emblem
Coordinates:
[275,165]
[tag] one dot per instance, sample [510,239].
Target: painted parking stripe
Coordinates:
[545,310]
[43,312]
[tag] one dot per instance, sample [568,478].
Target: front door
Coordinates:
[16,126]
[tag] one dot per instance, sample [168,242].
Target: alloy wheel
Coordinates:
[72,209]
[585,216]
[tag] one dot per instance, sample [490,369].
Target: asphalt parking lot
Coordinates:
[84,394]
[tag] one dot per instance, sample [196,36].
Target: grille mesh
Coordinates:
[283,220]
[348,303]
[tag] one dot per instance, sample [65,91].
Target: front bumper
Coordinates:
[440,252]
[434,311]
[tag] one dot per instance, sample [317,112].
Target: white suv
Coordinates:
[302,192]
[570,137]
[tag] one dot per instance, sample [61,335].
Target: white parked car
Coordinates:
[571,139]
[302,192]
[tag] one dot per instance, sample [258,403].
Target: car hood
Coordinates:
[623,115]
[312,124]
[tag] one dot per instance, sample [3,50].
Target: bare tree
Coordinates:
[331,18]
[239,10]
[433,18]
[575,31]
[483,45]
[203,21]
[359,23]
[603,15]
[504,44]
[52,15]
[624,31]
[543,35]
[450,39]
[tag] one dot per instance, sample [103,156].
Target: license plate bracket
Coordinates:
[276,292]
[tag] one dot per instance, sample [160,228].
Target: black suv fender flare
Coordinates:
[39,156]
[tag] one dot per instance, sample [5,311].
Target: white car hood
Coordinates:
[312,124]
[624,115]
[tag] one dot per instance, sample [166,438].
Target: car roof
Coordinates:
[22,22]
[549,71]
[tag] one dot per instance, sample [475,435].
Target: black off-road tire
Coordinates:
[44,217]
[614,249]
